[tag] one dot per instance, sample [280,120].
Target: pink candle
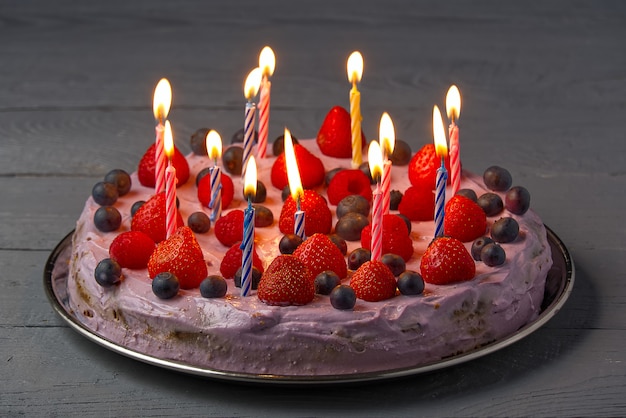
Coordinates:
[453,109]
[387,138]
[267,63]
[386,187]
[170,183]
[375,162]
[161,107]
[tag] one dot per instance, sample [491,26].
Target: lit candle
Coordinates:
[441,149]
[374,156]
[295,184]
[267,63]
[247,244]
[453,109]
[355,71]
[161,107]
[214,150]
[387,137]
[170,182]
[250,89]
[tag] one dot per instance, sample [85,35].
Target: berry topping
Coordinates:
[104,194]
[505,230]
[353,203]
[347,183]
[395,263]
[365,169]
[330,174]
[418,204]
[180,255]
[198,141]
[199,222]
[135,207]
[401,154]
[335,135]
[395,197]
[121,179]
[517,200]
[343,297]
[424,165]
[373,282]
[214,286]
[263,216]
[232,261]
[232,160]
[469,193]
[312,170]
[288,243]
[493,255]
[229,228]
[146,169]
[339,243]
[256,278]
[165,285]
[204,191]
[478,245]
[108,272]
[132,249]
[107,219]
[287,281]
[150,218]
[447,261]
[410,283]
[350,225]
[491,203]
[319,253]
[464,219]
[326,281]
[278,146]
[318,217]
[201,174]
[240,134]
[357,257]
[261,193]
[396,239]
[497,178]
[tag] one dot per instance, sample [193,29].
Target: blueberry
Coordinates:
[263,217]
[339,243]
[497,178]
[256,278]
[108,272]
[121,179]
[278,146]
[410,283]
[493,255]
[365,168]
[261,193]
[469,193]
[401,154]
[395,263]
[395,197]
[350,225]
[135,207]
[213,286]
[517,200]
[343,297]
[288,243]
[204,172]
[326,281]
[505,230]
[353,203]
[284,194]
[165,285]
[238,136]
[198,141]
[104,194]
[491,203]
[478,245]
[358,257]
[330,174]
[406,220]
[199,222]
[232,160]
[107,219]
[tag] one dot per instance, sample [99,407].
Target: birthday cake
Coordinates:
[321,307]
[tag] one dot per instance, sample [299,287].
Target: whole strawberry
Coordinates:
[146,169]
[373,282]
[229,228]
[396,238]
[318,217]
[335,135]
[418,204]
[232,261]
[464,219]
[132,249]
[182,256]
[312,170]
[424,165]
[319,253]
[446,261]
[150,218]
[204,191]
[287,281]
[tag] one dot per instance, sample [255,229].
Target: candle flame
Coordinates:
[439,134]
[162,99]
[453,103]
[253,82]
[213,145]
[387,134]
[267,61]
[293,173]
[355,67]
[375,159]
[249,188]
[168,140]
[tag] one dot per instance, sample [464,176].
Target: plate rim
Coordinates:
[562,295]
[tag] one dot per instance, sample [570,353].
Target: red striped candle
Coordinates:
[160,107]
[267,63]
[170,183]
[375,157]
[453,109]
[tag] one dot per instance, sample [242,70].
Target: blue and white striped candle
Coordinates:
[298,222]
[441,148]
[250,90]
[215,204]
[247,243]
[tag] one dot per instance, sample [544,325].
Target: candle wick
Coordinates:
[298,204]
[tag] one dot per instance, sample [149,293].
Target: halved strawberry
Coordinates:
[232,261]
[319,253]
[464,219]
[445,261]
[204,190]
[424,165]
[373,282]
[287,281]
[396,238]
[317,215]
[150,218]
[146,169]
[335,135]
[132,249]
[312,170]
[229,228]
[349,182]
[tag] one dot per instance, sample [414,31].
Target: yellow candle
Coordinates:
[355,71]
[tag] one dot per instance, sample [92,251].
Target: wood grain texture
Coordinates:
[544,94]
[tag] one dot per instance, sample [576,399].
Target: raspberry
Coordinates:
[349,182]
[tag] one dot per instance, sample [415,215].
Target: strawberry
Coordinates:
[232,261]
[373,282]
[150,218]
[335,135]
[319,253]
[229,228]
[287,281]
[424,165]
[312,170]
[349,182]
[318,217]
[146,168]
[204,191]
[182,256]
[396,238]
[445,261]
[418,203]
[464,219]
[132,249]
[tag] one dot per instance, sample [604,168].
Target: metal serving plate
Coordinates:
[558,288]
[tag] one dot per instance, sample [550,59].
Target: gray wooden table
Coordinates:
[544,94]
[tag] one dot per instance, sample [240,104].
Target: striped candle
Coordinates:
[298,222]
[440,199]
[355,71]
[453,109]
[215,204]
[159,160]
[386,186]
[170,199]
[377,225]
[247,249]
[264,117]
[248,136]
[161,103]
